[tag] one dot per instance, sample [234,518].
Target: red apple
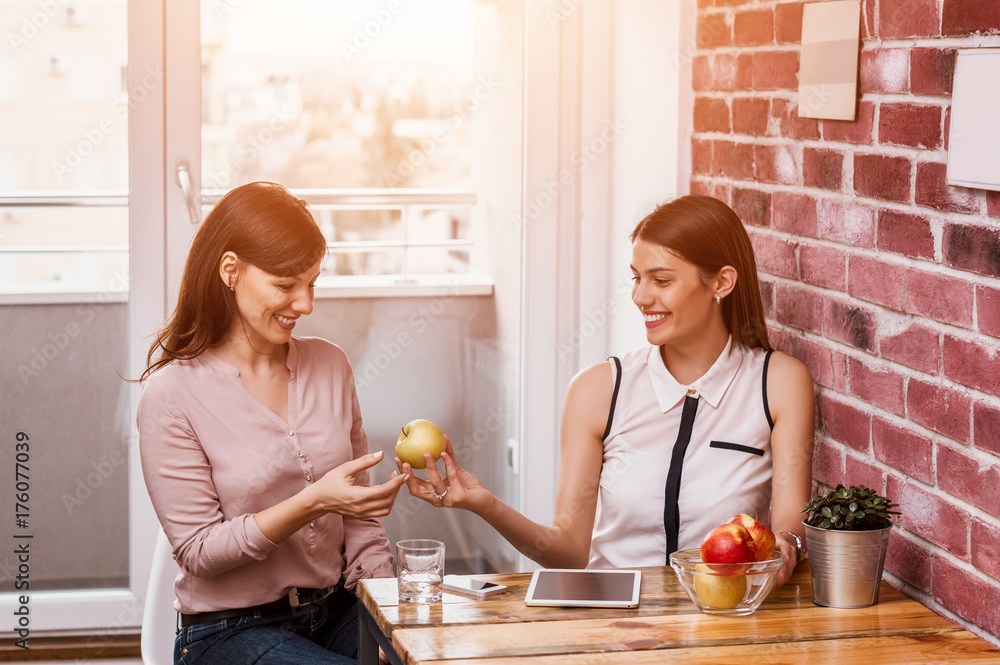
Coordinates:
[728,544]
[763,537]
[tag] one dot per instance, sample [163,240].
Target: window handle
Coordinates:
[187,190]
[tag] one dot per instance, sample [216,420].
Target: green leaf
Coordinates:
[827,512]
[853,506]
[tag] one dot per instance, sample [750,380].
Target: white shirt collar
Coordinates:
[711,386]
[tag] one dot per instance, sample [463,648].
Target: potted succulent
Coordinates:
[847,532]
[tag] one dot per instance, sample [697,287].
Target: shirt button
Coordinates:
[300,454]
[309,478]
[291,433]
[312,525]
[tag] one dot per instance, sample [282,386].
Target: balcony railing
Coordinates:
[85,267]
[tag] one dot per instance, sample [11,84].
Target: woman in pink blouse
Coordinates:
[253,450]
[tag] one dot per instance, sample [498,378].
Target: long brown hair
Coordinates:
[707,233]
[266,227]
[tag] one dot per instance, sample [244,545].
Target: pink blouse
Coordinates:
[213,455]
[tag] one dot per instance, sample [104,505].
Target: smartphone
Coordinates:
[472,586]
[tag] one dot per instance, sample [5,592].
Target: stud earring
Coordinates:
[718,299]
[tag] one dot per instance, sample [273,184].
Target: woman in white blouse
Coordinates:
[673,439]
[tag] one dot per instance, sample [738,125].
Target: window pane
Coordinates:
[359,94]
[400,123]
[374,225]
[64,284]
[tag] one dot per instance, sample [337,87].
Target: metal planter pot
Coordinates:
[846,566]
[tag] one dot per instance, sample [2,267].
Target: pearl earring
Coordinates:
[718,299]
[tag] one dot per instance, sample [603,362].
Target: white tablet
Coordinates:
[584,588]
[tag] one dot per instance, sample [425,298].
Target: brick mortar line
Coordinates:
[898,260]
[933,490]
[870,409]
[906,372]
[866,45]
[924,99]
[884,312]
[962,334]
[980,218]
[943,42]
[930,602]
[891,258]
[975,454]
[933,436]
[978,455]
[843,196]
[877,149]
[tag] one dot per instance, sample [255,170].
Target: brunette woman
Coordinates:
[253,450]
[674,438]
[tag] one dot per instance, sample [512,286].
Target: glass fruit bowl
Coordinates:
[730,589]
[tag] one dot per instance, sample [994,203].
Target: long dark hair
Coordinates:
[266,227]
[707,233]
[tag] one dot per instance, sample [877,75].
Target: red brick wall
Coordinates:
[884,280]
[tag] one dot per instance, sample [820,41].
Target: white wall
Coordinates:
[645,75]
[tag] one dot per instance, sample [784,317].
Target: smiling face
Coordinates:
[678,306]
[269,305]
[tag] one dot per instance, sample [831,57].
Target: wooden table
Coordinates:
[787,628]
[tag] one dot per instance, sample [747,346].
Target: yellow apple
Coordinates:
[716,591]
[419,437]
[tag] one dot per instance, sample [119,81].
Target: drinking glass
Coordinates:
[420,567]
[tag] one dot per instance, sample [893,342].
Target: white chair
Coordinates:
[159,618]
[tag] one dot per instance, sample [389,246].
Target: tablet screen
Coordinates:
[584,588]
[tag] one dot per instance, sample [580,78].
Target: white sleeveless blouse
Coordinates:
[726,468]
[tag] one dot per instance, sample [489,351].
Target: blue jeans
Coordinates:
[324,632]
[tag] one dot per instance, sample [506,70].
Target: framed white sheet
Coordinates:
[974,140]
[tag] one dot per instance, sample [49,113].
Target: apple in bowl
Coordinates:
[728,549]
[419,437]
[763,540]
[725,594]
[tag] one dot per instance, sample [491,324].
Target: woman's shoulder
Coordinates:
[787,369]
[167,389]
[317,348]
[317,357]
[602,375]
[595,378]
[595,384]
[790,388]
[175,373]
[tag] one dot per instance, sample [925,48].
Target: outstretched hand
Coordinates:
[458,488]
[339,493]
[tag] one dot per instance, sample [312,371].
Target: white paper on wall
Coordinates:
[974,140]
[828,62]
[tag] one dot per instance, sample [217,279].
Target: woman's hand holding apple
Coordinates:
[458,488]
